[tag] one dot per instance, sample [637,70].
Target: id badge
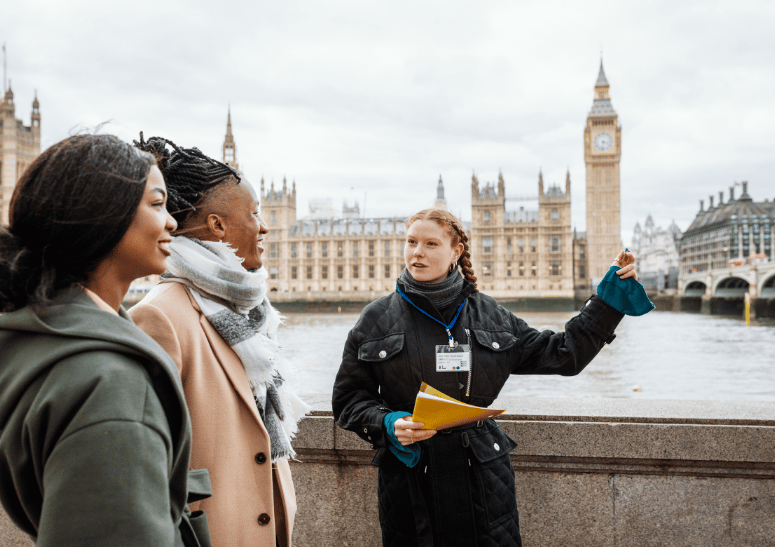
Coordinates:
[457,359]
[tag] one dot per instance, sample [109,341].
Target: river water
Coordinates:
[661,355]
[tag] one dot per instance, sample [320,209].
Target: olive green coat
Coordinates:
[95,437]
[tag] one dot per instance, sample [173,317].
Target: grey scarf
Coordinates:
[442,294]
[248,324]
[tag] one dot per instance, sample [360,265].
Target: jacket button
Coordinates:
[365,429]
[496,446]
[368,437]
[496,345]
[260,458]
[382,354]
[263,519]
[373,447]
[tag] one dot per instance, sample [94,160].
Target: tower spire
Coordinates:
[229,148]
[602,81]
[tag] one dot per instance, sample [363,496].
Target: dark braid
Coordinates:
[188,173]
[455,229]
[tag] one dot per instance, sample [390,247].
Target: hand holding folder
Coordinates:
[439,411]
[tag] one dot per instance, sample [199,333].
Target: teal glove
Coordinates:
[626,295]
[410,455]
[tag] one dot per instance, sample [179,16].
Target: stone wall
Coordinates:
[589,472]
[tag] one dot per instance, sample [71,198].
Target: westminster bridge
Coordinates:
[723,290]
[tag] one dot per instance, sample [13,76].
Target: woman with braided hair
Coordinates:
[210,312]
[452,487]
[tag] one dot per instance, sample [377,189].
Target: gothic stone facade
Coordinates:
[519,254]
[19,145]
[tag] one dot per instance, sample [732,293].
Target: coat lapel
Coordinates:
[230,363]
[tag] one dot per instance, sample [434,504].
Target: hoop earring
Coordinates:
[452,267]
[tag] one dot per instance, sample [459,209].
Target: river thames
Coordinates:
[661,355]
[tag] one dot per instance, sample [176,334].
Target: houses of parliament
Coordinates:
[516,254]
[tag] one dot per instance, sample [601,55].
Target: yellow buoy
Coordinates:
[636,388]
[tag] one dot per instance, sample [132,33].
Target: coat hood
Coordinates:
[33,341]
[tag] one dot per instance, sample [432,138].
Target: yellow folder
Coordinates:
[439,411]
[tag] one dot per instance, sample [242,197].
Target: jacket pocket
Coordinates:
[381,349]
[497,341]
[494,473]
[194,530]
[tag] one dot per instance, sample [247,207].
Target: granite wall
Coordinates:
[589,472]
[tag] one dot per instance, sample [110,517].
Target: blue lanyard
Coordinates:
[447,327]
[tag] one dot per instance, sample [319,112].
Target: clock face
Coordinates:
[603,142]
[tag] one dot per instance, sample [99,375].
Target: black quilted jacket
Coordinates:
[462,492]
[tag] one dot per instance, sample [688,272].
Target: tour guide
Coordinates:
[455,488]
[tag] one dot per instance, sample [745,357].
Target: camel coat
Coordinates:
[251,505]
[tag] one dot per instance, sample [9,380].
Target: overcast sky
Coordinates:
[374,100]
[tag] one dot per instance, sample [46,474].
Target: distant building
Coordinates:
[441,202]
[581,280]
[737,229]
[656,254]
[19,146]
[602,153]
[229,148]
[522,253]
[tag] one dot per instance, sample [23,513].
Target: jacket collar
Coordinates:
[422,302]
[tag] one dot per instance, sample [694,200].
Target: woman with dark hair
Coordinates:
[211,314]
[452,487]
[95,437]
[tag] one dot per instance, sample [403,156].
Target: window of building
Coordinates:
[274,251]
[582,272]
[371,271]
[532,244]
[339,250]
[508,269]
[387,271]
[273,272]
[309,272]
[324,249]
[355,249]
[309,250]
[371,248]
[521,244]
[387,249]
[355,271]
[555,215]
[486,217]
[294,272]
[509,250]
[273,219]
[582,252]
[324,272]
[340,272]
[486,245]
[555,242]
[555,268]
[533,269]
[521,269]
[293,250]
[487,269]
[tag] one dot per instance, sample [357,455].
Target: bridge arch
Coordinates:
[767,289]
[695,288]
[732,286]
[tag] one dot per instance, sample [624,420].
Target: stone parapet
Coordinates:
[589,472]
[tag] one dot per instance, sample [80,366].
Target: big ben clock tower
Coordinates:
[602,151]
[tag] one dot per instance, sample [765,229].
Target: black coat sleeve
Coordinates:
[566,353]
[356,400]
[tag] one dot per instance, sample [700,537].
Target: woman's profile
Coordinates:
[95,437]
[452,487]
